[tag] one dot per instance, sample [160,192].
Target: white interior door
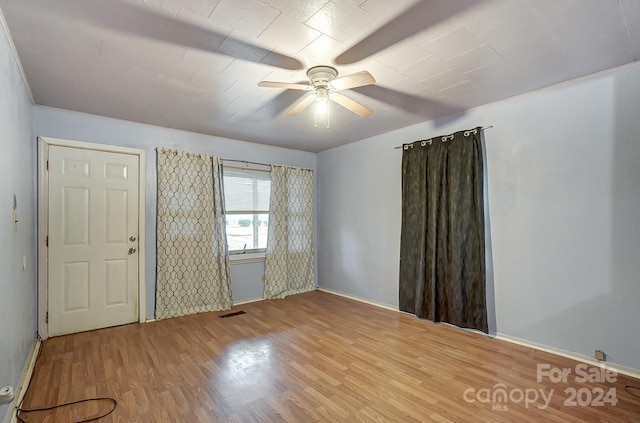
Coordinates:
[93,239]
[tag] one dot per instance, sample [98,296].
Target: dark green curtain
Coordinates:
[442,255]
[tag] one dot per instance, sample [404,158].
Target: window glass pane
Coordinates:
[246,190]
[247,231]
[246,193]
[263,229]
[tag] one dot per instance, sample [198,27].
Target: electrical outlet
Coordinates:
[600,355]
[6,395]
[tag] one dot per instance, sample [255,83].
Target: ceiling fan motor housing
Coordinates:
[320,76]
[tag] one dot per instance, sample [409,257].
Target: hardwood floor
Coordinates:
[310,357]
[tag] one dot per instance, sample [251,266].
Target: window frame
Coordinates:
[254,254]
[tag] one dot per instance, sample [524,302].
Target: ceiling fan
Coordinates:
[125,17]
[325,84]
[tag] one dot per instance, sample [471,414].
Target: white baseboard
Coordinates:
[360,299]
[24,381]
[252,300]
[619,368]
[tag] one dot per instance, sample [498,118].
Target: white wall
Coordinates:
[564,204]
[17,286]
[58,123]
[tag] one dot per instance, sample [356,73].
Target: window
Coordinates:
[246,195]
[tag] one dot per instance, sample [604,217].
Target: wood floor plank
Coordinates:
[312,357]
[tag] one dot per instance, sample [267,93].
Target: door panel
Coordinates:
[115,282]
[116,213]
[93,216]
[75,277]
[76,216]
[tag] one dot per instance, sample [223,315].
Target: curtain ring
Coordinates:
[406,147]
[423,143]
[466,133]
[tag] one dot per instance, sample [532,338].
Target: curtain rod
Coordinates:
[230,160]
[445,136]
[205,154]
[246,162]
[265,164]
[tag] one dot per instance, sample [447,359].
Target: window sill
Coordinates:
[246,258]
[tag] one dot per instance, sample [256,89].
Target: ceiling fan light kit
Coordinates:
[325,84]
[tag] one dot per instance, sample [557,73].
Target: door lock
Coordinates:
[132,250]
[132,238]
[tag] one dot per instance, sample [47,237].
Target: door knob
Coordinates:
[132,250]
[132,238]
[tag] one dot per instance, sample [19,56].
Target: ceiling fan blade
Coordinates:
[143,22]
[420,106]
[417,18]
[358,79]
[351,105]
[285,85]
[301,105]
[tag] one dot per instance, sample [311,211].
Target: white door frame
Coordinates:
[43,222]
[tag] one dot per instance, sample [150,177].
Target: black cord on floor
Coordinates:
[19,410]
[628,388]
[53,407]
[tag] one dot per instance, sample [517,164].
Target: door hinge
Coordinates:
[47,164]
[46,318]
[46,241]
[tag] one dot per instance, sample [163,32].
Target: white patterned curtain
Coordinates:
[193,273]
[289,257]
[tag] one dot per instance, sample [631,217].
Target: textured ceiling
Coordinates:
[195,64]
